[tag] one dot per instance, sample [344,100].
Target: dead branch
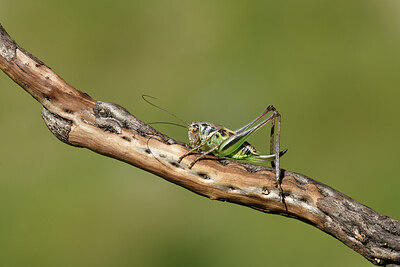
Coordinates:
[106,128]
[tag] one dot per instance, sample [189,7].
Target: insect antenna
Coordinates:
[154,105]
[165,122]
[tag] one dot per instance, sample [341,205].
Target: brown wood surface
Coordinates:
[106,128]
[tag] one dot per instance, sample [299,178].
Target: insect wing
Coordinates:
[232,143]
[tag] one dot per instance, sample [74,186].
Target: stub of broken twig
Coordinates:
[106,128]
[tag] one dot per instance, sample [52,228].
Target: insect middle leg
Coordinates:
[191,151]
[199,157]
[203,155]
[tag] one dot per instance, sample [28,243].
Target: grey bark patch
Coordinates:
[109,125]
[253,168]
[8,46]
[59,126]
[114,111]
[107,112]
[378,234]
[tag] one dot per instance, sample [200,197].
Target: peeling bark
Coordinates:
[106,128]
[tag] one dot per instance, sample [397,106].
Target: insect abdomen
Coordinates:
[245,151]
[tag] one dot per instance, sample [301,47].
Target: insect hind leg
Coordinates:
[276,121]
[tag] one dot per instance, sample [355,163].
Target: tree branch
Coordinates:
[106,128]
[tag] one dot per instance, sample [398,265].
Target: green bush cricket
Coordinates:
[210,138]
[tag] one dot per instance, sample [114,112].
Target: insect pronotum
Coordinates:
[210,138]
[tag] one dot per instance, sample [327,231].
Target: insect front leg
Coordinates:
[203,155]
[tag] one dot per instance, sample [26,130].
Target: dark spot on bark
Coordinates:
[126,138]
[204,176]
[232,188]
[265,191]
[299,187]
[141,133]
[252,168]
[147,151]
[223,162]
[37,65]
[85,94]
[162,156]
[108,129]
[301,199]
[175,164]
[382,217]
[47,77]
[20,68]
[69,111]
[46,97]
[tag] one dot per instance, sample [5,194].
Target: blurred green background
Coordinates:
[330,67]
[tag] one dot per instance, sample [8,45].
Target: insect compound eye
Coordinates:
[195,128]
